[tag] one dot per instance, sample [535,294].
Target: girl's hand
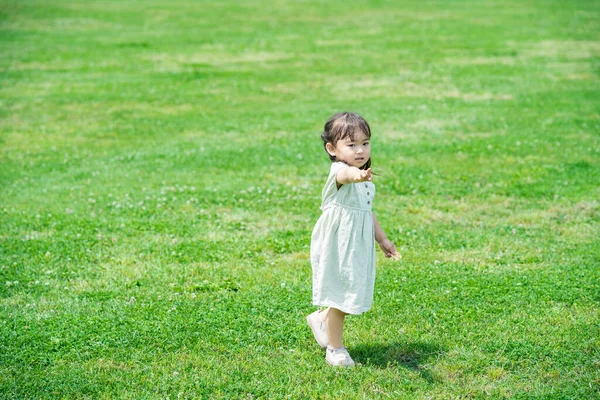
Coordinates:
[353,175]
[389,249]
[364,175]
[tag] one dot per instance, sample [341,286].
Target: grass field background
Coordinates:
[161,171]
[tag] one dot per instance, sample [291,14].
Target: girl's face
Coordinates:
[355,152]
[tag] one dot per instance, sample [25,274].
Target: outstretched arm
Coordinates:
[353,175]
[386,245]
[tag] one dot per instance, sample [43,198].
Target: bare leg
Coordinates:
[335,326]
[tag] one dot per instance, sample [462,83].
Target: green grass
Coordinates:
[161,169]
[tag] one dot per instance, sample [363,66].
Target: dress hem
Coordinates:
[353,311]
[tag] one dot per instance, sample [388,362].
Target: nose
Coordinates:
[359,150]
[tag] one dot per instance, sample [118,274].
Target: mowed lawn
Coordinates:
[161,171]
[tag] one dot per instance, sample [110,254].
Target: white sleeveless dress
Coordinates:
[342,248]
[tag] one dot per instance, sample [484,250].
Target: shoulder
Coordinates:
[336,166]
[331,186]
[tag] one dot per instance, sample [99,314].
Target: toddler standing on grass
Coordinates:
[342,249]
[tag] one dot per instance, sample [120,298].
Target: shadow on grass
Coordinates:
[407,355]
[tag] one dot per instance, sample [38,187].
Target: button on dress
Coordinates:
[342,248]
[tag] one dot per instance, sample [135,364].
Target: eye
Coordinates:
[366,143]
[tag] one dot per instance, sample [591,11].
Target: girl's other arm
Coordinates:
[386,245]
[353,175]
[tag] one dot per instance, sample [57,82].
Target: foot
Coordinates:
[318,329]
[339,357]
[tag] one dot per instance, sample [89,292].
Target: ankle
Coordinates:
[323,315]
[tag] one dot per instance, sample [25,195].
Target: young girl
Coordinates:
[342,249]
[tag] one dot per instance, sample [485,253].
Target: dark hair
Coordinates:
[345,125]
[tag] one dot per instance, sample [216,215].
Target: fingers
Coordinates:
[365,176]
[390,251]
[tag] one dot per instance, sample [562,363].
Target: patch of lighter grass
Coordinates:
[572,221]
[27,235]
[432,124]
[107,365]
[35,90]
[338,42]
[32,136]
[229,137]
[570,49]
[569,70]
[576,76]
[398,87]
[128,269]
[83,285]
[547,215]
[489,259]
[464,211]
[418,131]
[152,109]
[52,25]
[482,60]
[432,127]
[18,145]
[185,62]
[453,366]
[294,258]
[295,87]
[124,272]
[406,136]
[574,69]
[483,96]
[427,215]
[515,207]
[60,64]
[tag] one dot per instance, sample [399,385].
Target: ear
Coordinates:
[330,149]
